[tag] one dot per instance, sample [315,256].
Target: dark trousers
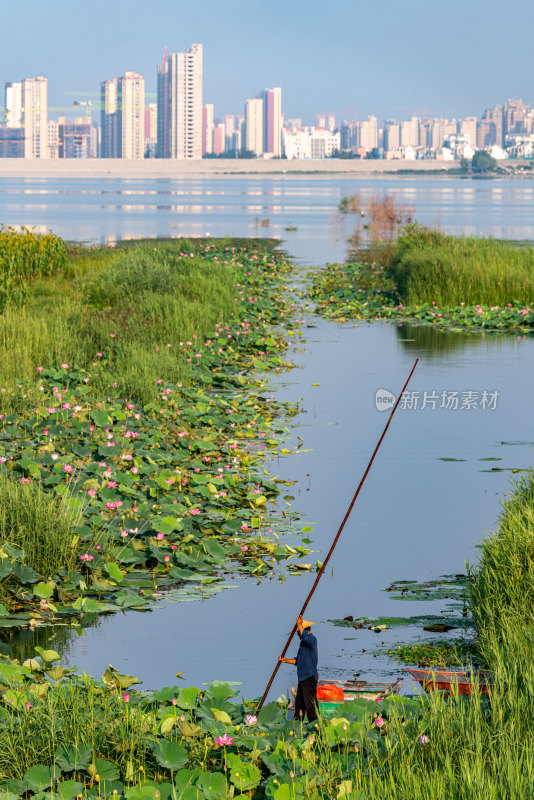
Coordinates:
[306,700]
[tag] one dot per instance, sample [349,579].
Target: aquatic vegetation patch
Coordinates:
[439,654]
[343,292]
[160,493]
[447,587]
[112,740]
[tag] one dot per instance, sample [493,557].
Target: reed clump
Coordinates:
[40,524]
[428,266]
[25,256]
[379,219]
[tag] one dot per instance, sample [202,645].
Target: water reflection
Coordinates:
[432,342]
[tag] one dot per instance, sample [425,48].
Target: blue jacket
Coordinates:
[307,656]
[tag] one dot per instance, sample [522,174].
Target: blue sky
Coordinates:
[353,57]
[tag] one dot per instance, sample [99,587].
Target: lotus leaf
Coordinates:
[67,790]
[39,777]
[221,716]
[71,757]
[213,785]
[188,697]
[106,771]
[243,775]
[170,755]
[43,590]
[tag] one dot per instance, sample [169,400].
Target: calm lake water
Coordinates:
[418,517]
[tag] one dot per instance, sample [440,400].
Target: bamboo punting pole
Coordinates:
[338,534]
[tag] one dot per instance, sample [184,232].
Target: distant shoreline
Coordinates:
[176,170]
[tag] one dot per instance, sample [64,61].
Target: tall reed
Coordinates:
[429,266]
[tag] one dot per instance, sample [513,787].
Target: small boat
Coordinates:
[354,690]
[452,682]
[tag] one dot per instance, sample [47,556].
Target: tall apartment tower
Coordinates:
[272,121]
[180,104]
[207,128]
[34,99]
[123,109]
[13,104]
[254,126]
[109,104]
[131,96]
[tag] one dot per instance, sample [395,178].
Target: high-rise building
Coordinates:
[468,128]
[410,132]
[180,104]
[131,96]
[74,137]
[109,118]
[11,142]
[13,114]
[391,135]
[326,121]
[368,134]
[151,130]
[219,139]
[207,129]
[272,120]
[34,99]
[53,138]
[254,126]
[123,124]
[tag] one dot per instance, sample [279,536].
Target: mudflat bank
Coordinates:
[155,168]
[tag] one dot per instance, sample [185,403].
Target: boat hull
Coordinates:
[452,682]
[364,690]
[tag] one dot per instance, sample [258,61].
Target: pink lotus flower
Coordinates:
[194,511]
[24,480]
[244,548]
[167,558]
[423,739]
[160,535]
[40,369]
[28,705]
[91,493]
[68,468]
[223,741]
[2,460]
[126,697]
[135,470]
[251,720]
[124,534]
[86,557]
[64,366]
[112,484]
[380,722]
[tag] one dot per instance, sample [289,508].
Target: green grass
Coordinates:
[131,303]
[429,266]
[40,524]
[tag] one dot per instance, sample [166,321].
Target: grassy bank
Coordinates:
[458,283]
[134,424]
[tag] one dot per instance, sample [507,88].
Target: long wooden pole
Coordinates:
[338,534]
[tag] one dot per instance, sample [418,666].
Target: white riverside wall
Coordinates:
[173,169]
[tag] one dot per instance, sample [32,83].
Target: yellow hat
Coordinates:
[307,624]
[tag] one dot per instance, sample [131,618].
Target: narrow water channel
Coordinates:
[417,518]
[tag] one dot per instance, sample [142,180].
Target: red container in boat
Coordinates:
[326,691]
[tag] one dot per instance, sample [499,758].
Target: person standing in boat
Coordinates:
[306,663]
